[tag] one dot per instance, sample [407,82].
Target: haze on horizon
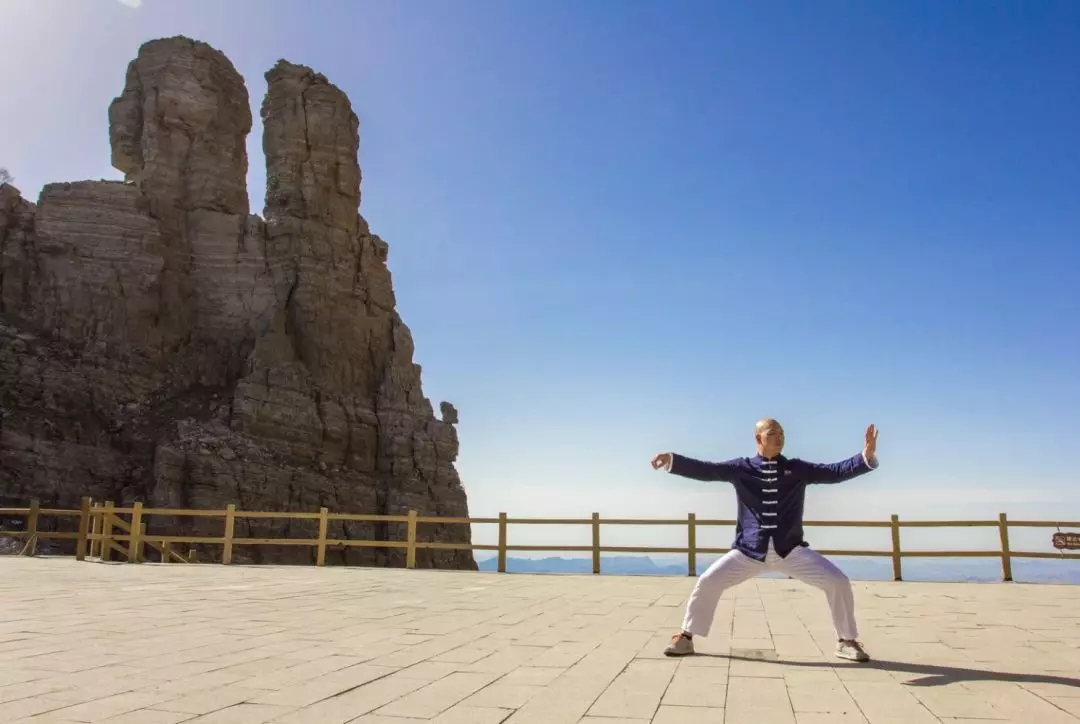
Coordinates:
[621,228]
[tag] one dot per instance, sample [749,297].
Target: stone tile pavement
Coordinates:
[209,644]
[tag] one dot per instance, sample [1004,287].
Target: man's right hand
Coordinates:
[663,460]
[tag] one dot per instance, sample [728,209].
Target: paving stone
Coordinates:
[636,692]
[697,687]
[688,715]
[437,696]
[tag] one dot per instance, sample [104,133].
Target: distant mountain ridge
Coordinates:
[864,569]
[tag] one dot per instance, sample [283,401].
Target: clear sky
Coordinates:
[621,227]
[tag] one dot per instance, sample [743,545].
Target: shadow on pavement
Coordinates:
[932,675]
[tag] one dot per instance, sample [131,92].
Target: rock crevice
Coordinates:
[158,342]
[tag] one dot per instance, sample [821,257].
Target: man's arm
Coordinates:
[853,467]
[828,473]
[724,472]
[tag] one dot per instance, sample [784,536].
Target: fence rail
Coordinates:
[102,531]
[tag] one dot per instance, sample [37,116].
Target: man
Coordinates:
[771,489]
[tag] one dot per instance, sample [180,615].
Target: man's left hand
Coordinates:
[870,446]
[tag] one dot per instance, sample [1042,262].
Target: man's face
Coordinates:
[770,438]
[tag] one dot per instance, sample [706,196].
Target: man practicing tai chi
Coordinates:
[771,489]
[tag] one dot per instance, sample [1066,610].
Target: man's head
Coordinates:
[769,436]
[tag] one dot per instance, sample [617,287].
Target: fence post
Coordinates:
[324,521]
[1006,556]
[166,552]
[84,528]
[230,527]
[502,542]
[410,540]
[30,547]
[596,543]
[135,541]
[95,530]
[896,560]
[691,544]
[106,531]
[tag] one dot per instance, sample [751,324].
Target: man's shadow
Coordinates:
[932,675]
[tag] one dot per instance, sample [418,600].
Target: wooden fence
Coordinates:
[101,532]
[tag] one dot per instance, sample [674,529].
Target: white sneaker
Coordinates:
[851,650]
[679,646]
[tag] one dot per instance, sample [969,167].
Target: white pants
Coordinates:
[802,564]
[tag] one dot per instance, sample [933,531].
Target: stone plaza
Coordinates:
[211,644]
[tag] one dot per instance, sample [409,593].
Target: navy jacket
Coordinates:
[770,494]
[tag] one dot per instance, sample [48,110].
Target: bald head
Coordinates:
[766,424]
[769,435]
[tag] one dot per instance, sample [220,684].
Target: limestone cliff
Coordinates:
[160,343]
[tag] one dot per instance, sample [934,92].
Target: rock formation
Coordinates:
[160,343]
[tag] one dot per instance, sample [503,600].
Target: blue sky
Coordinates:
[620,227]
